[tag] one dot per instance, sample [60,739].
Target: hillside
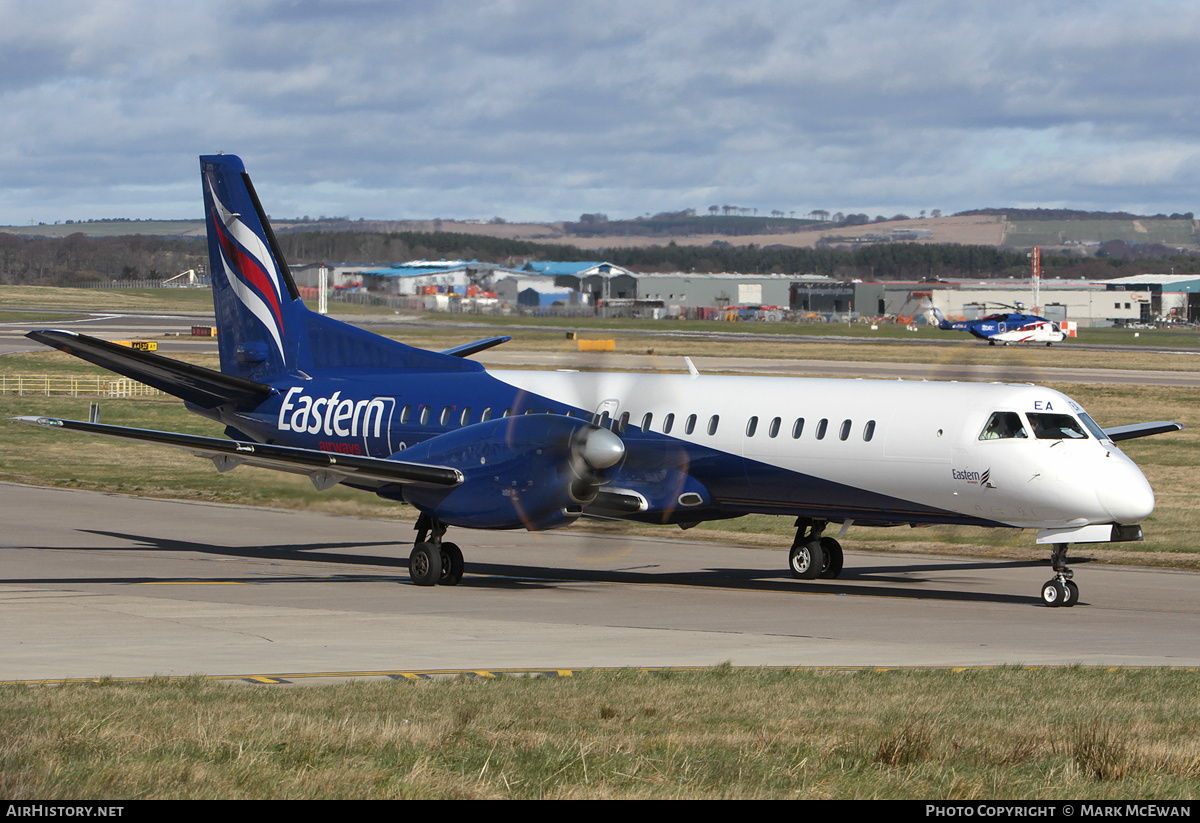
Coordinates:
[1078,236]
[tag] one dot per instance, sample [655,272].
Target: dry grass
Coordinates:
[721,733]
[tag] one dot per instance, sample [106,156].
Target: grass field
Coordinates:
[1025,233]
[1008,733]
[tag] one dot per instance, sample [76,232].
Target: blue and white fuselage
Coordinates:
[871,451]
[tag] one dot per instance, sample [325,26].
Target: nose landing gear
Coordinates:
[1061,590]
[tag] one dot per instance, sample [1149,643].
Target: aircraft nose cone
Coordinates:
[1126,494]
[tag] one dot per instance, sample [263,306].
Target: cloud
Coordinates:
[539,110]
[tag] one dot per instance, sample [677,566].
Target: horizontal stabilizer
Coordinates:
[1118,433]
[467,349]
[202,387]
[323,468]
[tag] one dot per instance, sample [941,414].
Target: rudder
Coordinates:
[258,307]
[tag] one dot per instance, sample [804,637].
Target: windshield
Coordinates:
[1095,429]
[1003,426]
[1055,427]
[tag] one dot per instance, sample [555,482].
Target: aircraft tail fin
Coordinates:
[263,327]
[256,299]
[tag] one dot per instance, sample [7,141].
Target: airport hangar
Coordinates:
[1141,298]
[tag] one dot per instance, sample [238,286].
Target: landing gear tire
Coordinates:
[1062,590]
[807,560]
[831,551]
[452,565]
[1054,593]
[425,564]
[1072,593]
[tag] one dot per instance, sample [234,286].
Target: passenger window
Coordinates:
[1056,427]
[751,426]
[622,423]
[712,424]
[690,426]
[798,428]
[507,413]
[465,419]
[445,418]
[424,415]
[646,421]
[844,434]
[774,430]
[869,431]
[668,422]
[405,414]
[486,416]
[821,427]
[1003,426]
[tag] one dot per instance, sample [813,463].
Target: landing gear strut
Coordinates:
[1061,590]
[811,555]
[433,562]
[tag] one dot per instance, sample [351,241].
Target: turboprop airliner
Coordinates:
[300,392]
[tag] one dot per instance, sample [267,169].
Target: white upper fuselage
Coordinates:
[924,441]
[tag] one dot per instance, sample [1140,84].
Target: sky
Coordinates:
[532,110]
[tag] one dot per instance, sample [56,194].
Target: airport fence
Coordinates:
[65,386]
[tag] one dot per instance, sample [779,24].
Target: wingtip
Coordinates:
[37,420]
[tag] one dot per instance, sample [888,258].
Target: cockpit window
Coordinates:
[1003,426]
[1096,431]
[1056,427]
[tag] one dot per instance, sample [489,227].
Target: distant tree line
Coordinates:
[686,222]
[78,259]
[1071,214]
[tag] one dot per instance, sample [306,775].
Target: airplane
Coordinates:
[1007,327]
[301,392]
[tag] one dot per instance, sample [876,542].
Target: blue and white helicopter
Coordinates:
[1006,327]
[301,392]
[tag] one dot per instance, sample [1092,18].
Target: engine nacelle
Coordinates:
[531,471]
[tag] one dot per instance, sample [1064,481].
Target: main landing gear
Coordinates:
[433,562]
[811,555]
[1061,590]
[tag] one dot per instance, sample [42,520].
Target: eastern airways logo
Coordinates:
[973,478]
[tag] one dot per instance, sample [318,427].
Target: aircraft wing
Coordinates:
[325,469]
[203,387]
[1118,433]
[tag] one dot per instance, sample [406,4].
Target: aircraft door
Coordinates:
[376,427]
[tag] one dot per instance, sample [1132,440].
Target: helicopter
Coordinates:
[1014,326]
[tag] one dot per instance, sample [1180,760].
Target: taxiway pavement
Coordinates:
[98,584]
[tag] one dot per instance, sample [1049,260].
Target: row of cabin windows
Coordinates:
[844,430]
[690,422]
[451,414]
